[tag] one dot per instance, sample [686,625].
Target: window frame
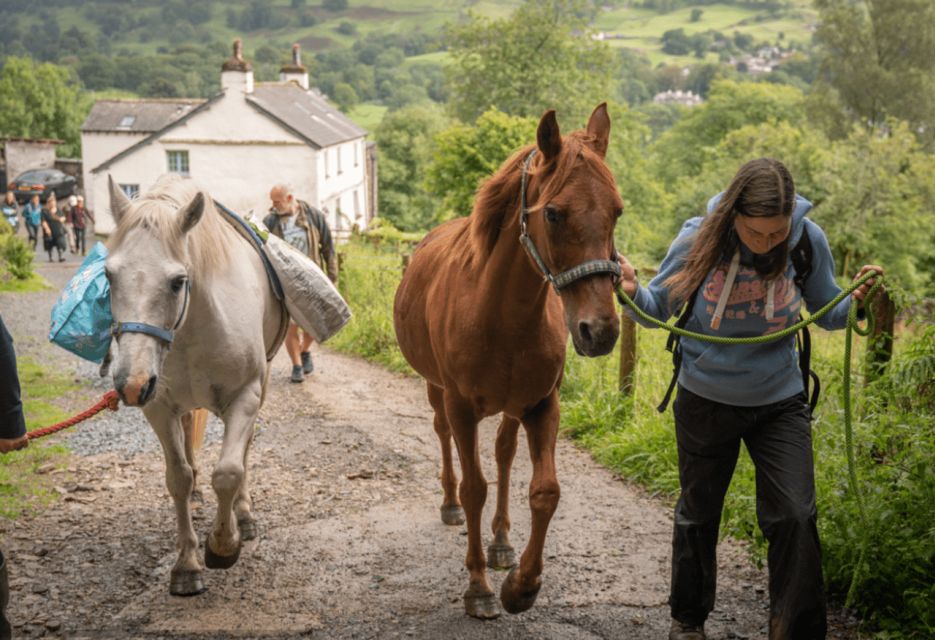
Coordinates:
[181,154]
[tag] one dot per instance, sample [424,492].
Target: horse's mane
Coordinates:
[499,197]
[156,210]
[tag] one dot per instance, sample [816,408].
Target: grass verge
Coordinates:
[22,487]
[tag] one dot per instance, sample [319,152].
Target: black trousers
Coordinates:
[778,438]
[79,240]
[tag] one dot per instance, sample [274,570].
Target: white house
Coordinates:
[237,145]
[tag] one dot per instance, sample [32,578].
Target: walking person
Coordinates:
[305,228]
[736,270]
[32,216]
[69,228]
[12,437]
[10,209]
[78,217]
[53,229]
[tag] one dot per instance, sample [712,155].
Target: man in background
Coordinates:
[305,228]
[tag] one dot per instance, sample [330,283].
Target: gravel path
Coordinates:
[344,477]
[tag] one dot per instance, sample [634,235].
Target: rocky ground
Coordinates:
[344,474]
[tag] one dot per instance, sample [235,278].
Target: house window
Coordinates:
[178,162]
[127,121]
[132,190]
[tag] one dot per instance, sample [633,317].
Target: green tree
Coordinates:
[686,148]
[406,144]
[345,96]
[880,206]
[468,154]
[41,101]
[541,57]
[879,57]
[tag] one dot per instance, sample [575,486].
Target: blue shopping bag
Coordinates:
[81,317]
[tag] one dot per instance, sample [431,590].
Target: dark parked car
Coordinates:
[43,182]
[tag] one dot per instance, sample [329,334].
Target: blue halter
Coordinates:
[166,335]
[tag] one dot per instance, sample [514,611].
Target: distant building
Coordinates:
[687,98]
[237,145]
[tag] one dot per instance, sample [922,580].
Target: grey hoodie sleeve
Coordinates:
[654,298]
[820,287]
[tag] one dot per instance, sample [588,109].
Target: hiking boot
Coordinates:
[681,631]
[297,375]
[307,365]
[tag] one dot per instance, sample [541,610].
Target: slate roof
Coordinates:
[136,116]
[305,113]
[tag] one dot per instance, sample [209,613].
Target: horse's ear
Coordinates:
[548,137]
[119,202]
[190,214]
[599,129]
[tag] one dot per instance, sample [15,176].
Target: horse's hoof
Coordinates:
[215,561]
[452,515]
[248,529]
[478,604]
[186,583]
[514,598]
[500,556]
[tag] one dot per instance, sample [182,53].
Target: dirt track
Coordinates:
[344,476]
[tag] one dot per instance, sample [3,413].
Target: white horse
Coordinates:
[196,324]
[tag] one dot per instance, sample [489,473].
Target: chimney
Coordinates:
[294,71]
[236,73]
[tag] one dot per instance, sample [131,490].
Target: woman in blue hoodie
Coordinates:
[735,263]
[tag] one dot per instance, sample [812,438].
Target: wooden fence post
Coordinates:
[880,342]
[627,353]
[406,258]
[341,257]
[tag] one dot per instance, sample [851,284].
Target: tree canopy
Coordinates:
[541,57]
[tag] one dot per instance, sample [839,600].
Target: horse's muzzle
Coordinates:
[597,337]
[135,391]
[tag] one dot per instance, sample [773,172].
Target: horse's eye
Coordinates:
[177,283]
[552,214]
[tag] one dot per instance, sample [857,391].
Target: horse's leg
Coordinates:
[519,590]
[186,577]
[243,503]
[222,548]
[193,426]
[479,600]
[451,510]
[500,553]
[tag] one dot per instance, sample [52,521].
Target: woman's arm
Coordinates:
[654,298]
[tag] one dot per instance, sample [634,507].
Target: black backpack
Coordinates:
[801,255]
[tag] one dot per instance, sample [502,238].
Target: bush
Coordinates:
[15,256]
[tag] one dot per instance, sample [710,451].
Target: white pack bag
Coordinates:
[311,298]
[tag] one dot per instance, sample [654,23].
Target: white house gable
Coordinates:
[237,145]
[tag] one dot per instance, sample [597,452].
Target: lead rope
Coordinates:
[851,328]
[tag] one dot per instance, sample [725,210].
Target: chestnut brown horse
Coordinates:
[477,319]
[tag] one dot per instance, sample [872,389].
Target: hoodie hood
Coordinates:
[802,207]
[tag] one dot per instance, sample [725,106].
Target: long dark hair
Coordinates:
[761,188]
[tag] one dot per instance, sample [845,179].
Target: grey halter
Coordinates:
[564,278]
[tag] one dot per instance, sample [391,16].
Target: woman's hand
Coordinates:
[628,281]
[861,292]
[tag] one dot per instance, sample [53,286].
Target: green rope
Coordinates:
[852,327]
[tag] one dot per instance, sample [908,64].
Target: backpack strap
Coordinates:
[674,346]
[802,263]
[802,259]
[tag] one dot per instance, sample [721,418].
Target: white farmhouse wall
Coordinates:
[339,186]
[97,148]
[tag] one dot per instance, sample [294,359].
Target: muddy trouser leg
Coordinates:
[708,435]
[781,449]
[6,631]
